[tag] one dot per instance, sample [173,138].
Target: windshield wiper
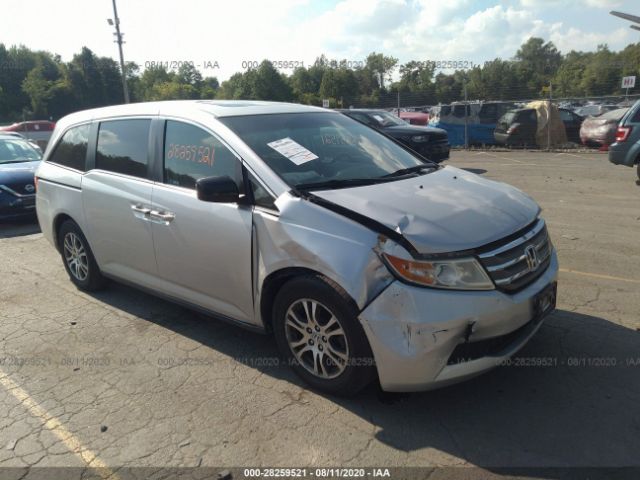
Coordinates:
[17,160]
[409,170]
[339,183]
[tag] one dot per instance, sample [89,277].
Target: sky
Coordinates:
[223,37]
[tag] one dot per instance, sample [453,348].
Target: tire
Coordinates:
[78,259]
[340,363]
[638,181]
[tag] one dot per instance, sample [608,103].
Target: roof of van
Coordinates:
[218,108]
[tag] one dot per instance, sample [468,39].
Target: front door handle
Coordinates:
[140,211]
[164,217]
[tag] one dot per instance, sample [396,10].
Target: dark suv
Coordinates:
[432,143]
[626,149]
[518,127]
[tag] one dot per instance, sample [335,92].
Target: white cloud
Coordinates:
[575,39]
[571,3]
[244,30]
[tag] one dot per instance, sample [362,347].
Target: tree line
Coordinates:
[39,84]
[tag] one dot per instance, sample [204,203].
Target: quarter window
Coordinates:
[261,197]
[71,151]
[123,147]
[191,153]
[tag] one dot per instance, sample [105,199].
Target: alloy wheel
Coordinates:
[316,338]
[76,256]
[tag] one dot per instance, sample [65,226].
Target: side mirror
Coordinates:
[217,189]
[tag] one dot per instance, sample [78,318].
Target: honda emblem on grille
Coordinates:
[533,262]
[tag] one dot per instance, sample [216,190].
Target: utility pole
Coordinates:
[549,119]
[398,102]
[466,117]
[119,41]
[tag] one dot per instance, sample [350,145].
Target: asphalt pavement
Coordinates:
[121,379]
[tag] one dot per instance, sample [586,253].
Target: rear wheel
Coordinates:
[78,259]
[317,331]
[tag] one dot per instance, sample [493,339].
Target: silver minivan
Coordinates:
[362,259]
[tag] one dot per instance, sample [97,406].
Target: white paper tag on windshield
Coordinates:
[293,151]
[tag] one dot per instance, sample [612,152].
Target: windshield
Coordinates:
[307,149]
[386,119]
[14,150]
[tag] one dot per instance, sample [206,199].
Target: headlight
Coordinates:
[457,274]
[420,138]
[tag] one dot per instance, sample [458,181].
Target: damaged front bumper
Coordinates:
[424,338]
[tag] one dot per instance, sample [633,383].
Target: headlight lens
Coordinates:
[457,274]
[420,138]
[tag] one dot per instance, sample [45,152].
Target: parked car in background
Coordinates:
[361,259]
[594,110]
[18,162]
[518,127]
[7,134]
[626,148]
[432,143]
[600,131]
[475,120]
[415,118]
[37,130]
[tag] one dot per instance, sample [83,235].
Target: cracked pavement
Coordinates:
[142,382]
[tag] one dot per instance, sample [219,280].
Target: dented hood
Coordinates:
[444,211]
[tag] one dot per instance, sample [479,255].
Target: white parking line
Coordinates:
[570,154]
[502,157]
[517,164]
[57,428]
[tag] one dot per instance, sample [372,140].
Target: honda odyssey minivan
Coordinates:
[362,259]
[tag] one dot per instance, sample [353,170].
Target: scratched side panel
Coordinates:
[309,236]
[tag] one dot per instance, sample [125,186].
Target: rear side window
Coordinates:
[488,113]
[71,151]
[459,110]
[527,116]
[191,153]
[123,147]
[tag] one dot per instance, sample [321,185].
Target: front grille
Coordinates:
[508,263]
[20,188]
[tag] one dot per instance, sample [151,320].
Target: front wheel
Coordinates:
[317,331]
